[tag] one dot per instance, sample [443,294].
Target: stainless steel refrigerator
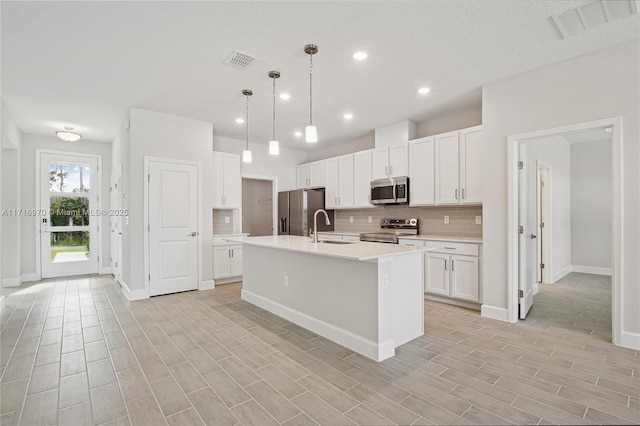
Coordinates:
[296,209]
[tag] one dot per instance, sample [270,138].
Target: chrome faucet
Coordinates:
[315,223]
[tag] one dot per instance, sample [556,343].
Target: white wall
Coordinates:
[28,190]
[282,166]
[555,152]
[590,87]
[10,274]
[591,189]
[168,136]
[450,122]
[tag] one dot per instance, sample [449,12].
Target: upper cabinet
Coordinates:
[226,180]
[392,161]
[310,175]
[362,178]
[421,172]
[458,166]
[339,190]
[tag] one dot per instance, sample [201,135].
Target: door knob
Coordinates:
[533,236]
[193,234]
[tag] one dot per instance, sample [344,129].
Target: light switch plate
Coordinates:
[478,220]
[446,219]
[226,219]
[370,219]
[350,219]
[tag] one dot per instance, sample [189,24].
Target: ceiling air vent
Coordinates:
[590,15]
[239,60]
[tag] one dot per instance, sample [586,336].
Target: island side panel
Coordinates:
[407,285]
[334,297]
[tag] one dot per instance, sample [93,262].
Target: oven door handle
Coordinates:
[395,194]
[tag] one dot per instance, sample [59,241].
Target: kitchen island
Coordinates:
[368,297]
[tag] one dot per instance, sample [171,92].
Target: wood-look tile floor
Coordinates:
[76,352]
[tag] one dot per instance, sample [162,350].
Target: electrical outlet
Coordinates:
[285,280]
[370,219]
[350,219]
[478,220]
[446,219]
[385,280]
[226,219]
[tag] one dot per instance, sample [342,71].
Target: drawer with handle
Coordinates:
[452,248]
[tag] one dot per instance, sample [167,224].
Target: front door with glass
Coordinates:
[69,225]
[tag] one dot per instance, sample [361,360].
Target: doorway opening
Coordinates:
[258,205]
[565,233]
[68,227]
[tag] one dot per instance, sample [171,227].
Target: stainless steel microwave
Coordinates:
[390,191]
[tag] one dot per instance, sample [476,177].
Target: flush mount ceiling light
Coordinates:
[68,134]
[285,96]
[246,154]
[239,120]
[311,132]
[360,56]
[424,90]
[274,145]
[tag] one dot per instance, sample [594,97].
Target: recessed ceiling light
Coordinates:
[285,96]
[424,90]
[239,120]
[348,116]
[359,56]
[298,134]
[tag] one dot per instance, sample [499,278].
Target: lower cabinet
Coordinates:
[227,261]
[452,276]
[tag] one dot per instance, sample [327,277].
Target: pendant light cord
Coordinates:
[274,109]
[311,89]
[247,122]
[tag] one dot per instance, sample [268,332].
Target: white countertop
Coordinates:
[354,251]
[475,240]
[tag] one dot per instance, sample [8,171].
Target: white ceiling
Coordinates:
[85,63]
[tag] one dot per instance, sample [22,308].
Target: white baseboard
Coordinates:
[630,340]
[366,347]
[591,270]
[561,273]
[206,285]
[30,277]
[105,270]
[493,312]
[451,301]
[132,295]
[1,303]
[12,282]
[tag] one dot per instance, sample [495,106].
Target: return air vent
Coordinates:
[239,60]
[590,15]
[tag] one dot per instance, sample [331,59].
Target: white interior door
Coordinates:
[69,226]
[527,241]
[173,226]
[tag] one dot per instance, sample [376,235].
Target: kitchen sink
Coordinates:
[337,242]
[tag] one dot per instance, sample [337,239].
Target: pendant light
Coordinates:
[246,154]
[311,132]
[274,145]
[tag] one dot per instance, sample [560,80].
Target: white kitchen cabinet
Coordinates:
[339,182]
[310,175]
[447,164]
[226,180]
[362,178]
[451,270]
[392,161]
[471,165]
[422,172]
[227,261]
[458,165]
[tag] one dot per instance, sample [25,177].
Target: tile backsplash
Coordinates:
[219,227]
[462,219]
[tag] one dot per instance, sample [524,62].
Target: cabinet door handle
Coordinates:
[450,248]
[463,193]
[390,170]
[445,265]
[386,171]
[456,194]
[452,267]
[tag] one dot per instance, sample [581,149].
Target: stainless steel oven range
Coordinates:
[391,230]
